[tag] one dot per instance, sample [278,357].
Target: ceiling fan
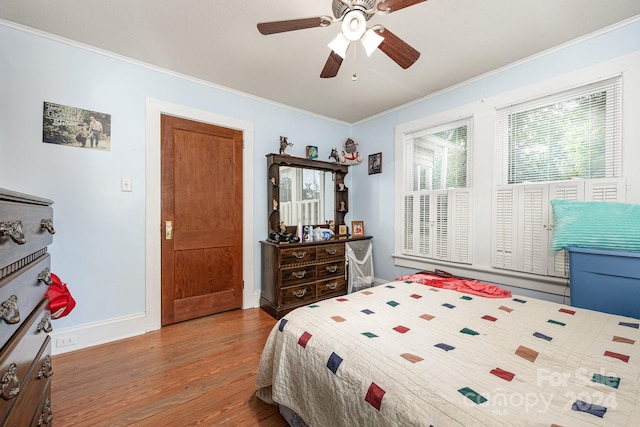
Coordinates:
[354,15]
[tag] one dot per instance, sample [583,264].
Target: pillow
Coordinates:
[596,225]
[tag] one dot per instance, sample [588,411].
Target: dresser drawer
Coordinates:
[297,255]
[298,295]
[44,415]
[25,223]
[20,292]
[31,403]
[327,288]
[19,354]
[297,275]
[330,269]
[327,252]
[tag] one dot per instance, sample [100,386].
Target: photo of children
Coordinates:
[75,127]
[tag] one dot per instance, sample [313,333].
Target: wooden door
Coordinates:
[202,199]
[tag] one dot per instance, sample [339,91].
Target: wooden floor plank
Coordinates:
[199,372]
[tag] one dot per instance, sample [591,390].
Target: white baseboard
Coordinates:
[89,335]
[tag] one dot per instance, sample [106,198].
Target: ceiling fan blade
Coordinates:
[395,5]
[274,27]
[332,66]
[397,49]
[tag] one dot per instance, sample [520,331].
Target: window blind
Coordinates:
[568,135]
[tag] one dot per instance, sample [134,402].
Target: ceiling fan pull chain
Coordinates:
[354,76]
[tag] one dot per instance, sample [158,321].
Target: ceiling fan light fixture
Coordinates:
[354,25]
[371,40]
[340,45]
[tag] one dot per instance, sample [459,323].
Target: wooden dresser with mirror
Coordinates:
[311,192]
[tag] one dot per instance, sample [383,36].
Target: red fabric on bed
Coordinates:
[467,286]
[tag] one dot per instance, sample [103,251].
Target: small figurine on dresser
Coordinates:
[284,144]
[334,155]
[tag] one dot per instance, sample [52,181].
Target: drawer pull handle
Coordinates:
[332,268]
[299,274]
[332,285]
[300,293]
[45,277]
[332,251]
[13,229]
[46,415]
[46,370]
[299,254]
[9,307]
[45,324]
[47,224]
[10,378]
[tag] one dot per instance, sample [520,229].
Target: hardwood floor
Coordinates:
[199,372]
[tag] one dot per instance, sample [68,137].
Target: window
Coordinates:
[564,146]
[574,134]
[436,218]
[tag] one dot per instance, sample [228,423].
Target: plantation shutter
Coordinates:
[605,190]
[440,225]
[504,227]
[572,190]
[534,236]
[425,221]
[408,223]
[460,227]
[602,190]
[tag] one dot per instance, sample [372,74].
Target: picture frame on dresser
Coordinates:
[357,228]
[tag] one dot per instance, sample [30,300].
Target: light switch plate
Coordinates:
[125,184]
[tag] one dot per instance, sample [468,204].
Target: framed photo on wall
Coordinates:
[375,163]
[357,228]
[75,127]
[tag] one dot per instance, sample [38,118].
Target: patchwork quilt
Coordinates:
[407,354]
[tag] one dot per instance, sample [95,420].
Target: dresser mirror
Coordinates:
[311,191]
[306,195]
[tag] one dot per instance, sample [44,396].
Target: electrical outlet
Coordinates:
[66,341]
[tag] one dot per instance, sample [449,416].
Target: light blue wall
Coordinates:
[373,198]
[99,248]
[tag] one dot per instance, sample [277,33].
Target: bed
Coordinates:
[408,354]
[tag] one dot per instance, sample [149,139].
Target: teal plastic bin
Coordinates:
[603,280]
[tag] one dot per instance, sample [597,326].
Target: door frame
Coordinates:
[154,109]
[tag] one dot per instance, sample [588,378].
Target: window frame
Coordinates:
[449,231]
[521,242]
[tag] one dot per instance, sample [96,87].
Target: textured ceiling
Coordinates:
[217,41]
